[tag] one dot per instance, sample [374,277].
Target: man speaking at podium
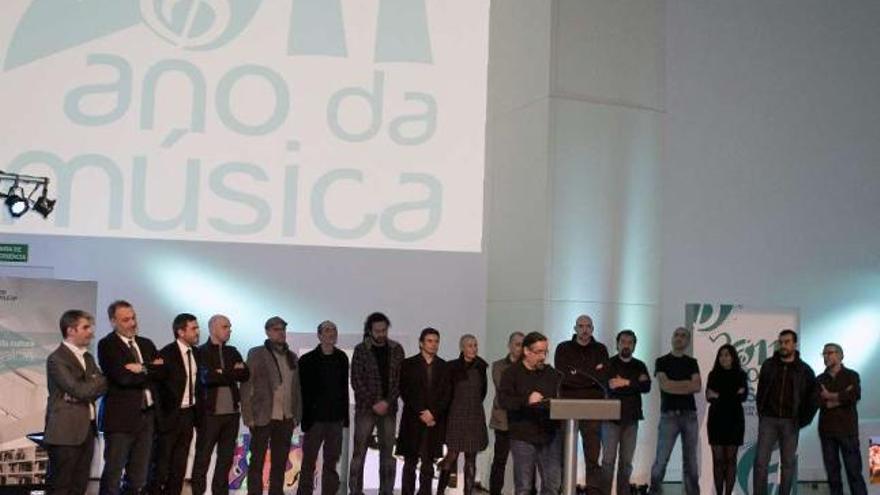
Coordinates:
[535,439]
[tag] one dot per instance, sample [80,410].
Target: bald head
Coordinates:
[220,329]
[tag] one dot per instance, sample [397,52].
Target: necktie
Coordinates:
[145,403]
[189,374]
[134,352]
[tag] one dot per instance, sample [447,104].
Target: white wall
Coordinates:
[772,171]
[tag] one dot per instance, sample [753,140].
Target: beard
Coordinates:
[626,353]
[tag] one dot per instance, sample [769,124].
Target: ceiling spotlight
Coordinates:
[16,202]
[44,205]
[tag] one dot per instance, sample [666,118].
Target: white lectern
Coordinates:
[572,410]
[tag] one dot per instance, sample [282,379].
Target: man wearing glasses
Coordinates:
[838,392]
[535,439]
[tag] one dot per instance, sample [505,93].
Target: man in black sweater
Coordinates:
[629,379]
[678,376]
[221,370]
[786,403]
[534,437]
[324,377]
[838,393]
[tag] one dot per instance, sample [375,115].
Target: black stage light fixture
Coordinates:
[16,202]
[44,205]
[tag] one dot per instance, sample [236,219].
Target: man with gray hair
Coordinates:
[839,392]
[498,420]
[324,375]
[222,369]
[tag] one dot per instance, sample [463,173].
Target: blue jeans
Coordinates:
[618,444]
[672,424]
[773,431]
[833,448]
[364,422]
[547,457]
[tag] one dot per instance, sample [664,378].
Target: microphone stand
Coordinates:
[574,371]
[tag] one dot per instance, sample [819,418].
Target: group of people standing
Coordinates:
[155,401]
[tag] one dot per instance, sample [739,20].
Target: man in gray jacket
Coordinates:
[271,406]
[498,421]
[74,383]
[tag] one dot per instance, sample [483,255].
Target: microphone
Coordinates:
[574,371]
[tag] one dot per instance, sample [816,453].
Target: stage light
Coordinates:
[16,202]
[44,205]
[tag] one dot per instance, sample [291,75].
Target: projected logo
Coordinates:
[198,24]
[354,123]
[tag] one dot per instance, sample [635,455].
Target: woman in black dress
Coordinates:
[727,389]
[466,431]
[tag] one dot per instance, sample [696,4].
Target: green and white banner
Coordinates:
[753,333]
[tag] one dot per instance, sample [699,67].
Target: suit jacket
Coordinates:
[211,380]
[257,393]
[72,390]
[125,390]
[171,389]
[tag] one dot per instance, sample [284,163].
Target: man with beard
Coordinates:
[375,378]
[679,378]
[629,380]
[786,403]
[535,439]
[839,392]
[133,369]
[271,406]
[584,362]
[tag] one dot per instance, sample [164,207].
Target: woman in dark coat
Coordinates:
[425,390]
[727,389]
[466,430]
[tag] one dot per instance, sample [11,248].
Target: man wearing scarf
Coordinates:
[271,406]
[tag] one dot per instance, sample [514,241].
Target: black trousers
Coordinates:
[129,451]
[69,466]
[218,431]
[172,453]
[277,436]
[591,437]
[425,461]
[328,434]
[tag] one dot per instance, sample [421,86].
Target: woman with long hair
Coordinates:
[727,389]
[466,431]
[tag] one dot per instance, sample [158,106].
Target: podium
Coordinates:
[572,410]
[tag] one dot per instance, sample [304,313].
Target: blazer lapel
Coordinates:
[72,359]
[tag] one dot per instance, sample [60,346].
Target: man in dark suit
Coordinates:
[74,383]
[133,367]
[178,398]
[221,370]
